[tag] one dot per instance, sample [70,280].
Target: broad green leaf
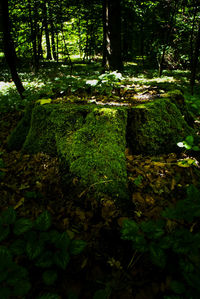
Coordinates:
[5,256]
[157,255]
[49,277]
[45,260]
[61,259]
[34,248]
[18,247]
[101,294]
[196,148]
[177,287]
[8,216]
[43,221]
[22,225]
[4,232]
[62,241]
[189,140]
[22,288]
[77,246]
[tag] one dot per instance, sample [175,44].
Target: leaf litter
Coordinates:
[33,183]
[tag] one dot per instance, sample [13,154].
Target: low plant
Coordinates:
[172,244]
[37,245]
[189,144]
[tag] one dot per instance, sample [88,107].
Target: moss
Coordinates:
[157,128]
[17,137]
[47,123]
[89,140]
[95,152]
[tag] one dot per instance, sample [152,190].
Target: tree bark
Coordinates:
[195,61]
[112,56]
[9,49]
[45,22]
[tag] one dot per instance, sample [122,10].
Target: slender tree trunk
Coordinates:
[52,31]
[195,61]
[9,49]
[112,56]
[45,22]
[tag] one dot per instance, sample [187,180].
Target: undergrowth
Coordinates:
[173,244]
[29,247]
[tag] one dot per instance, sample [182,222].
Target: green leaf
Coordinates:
[8,216]
[61,259]
[2,164]
[45,260]
[196,148]
[22,225]
[157,255]
[101,294]
[18,247]
[77,246]
[62,241]
[34,246]
[189,140]
[49,277]
[43,222]
[129,229]
[153,229]
[22,288]
[177,287]
[4,232]
[5,257]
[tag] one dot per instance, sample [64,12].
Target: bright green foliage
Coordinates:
[175,249]
[189,144]
[40,246]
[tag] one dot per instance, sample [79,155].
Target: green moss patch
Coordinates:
[89,141]
[156,127]
[97,152]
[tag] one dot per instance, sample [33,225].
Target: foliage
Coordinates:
[189,144]
[46,249]
[172,243]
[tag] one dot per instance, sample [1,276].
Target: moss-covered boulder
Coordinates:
[156,127]
[89,140]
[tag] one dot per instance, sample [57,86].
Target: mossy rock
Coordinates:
[156,127]
[89,141]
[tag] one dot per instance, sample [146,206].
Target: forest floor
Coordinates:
[108,267]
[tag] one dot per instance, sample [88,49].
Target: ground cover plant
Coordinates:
[161,220]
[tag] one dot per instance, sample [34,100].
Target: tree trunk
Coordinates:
[45,22]
[9,49]
[112,57]
[195,61]
[52,30]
